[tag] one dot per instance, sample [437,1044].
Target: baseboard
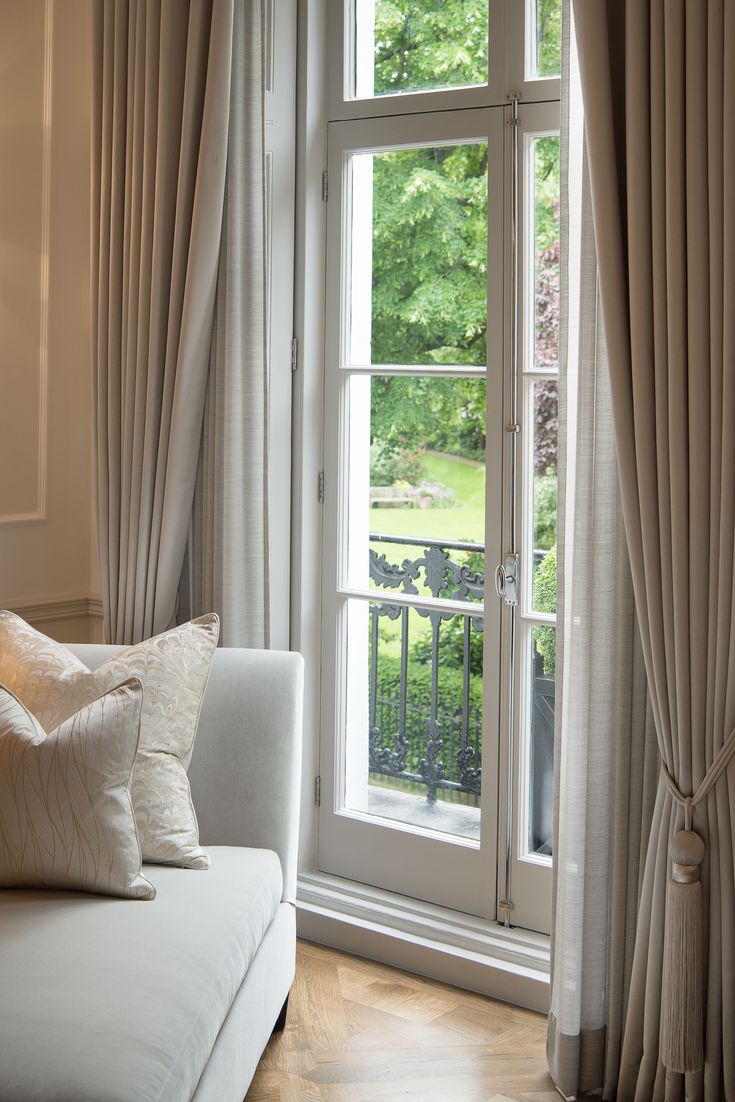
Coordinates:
[70,619]
[475,954]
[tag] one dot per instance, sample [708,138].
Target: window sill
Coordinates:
[456,820]
[456,948]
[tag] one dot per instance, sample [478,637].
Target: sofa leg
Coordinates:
[281,1020]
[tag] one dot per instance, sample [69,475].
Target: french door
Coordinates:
[399,587]
[439,489]
[440,467]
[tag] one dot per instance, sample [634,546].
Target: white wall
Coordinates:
[47,559]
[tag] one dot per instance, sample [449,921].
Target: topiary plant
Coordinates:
[544,600]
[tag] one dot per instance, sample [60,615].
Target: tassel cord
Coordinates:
[710,779]
[682,1012]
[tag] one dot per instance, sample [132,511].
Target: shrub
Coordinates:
[390,464]
[442,497]
[419,683]
[544,592]
[451,648]
[545,489]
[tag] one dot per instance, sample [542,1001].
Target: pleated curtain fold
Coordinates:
[226,566]
[658,87]
[160,138]
[606,759]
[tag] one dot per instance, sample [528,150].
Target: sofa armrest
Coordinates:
[245,772]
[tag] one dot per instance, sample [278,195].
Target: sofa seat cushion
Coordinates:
[107,1000]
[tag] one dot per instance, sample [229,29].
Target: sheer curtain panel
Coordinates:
[161,112]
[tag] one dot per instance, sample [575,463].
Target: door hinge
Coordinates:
[294,353]
[321,487]
[318,791]
[325,186]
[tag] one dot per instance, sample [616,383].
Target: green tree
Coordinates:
[430,255]
[429,300]
[441,414]
[548,37]
[434,44]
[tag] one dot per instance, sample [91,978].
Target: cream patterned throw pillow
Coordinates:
[66,819]
[174,669]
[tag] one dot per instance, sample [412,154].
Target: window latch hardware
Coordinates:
[506,579]
[505,906]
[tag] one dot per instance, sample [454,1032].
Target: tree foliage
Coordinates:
[434,44]
[548,37]
[429,295]
[430,255]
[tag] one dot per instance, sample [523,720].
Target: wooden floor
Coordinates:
[362,1032]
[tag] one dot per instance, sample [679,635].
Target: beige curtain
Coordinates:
[658,83]
[606,760]
[226,568]
[161,111]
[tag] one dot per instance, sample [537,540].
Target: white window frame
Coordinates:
[511,35]
[530,873]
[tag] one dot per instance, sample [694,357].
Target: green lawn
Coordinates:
[465,520]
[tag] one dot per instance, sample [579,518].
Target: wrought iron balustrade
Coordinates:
[434,742]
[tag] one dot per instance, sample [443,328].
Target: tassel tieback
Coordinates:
[682,1009]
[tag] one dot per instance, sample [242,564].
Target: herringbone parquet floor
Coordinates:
[362,1032]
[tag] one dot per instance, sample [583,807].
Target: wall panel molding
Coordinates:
[50,609]
[70,619]
[37,514]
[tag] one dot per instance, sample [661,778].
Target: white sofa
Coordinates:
[112,1000]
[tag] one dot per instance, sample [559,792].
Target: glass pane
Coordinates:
[545,433]
[548,38]
[419,45]
[419,256]
[546,252]
[416,487]
[413,716]
[541,781]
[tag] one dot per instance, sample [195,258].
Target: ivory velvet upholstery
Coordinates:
[111,1004]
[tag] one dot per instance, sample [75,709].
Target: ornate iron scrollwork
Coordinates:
[384,759]
[391,575]
[469,773]
[431,767]
[395,755]
[442,576]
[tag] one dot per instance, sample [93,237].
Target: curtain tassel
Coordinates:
[682,1025]
[682,1010]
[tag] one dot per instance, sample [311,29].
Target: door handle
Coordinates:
[506,579]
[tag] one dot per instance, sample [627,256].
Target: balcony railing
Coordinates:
[434,739]
[434,742]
